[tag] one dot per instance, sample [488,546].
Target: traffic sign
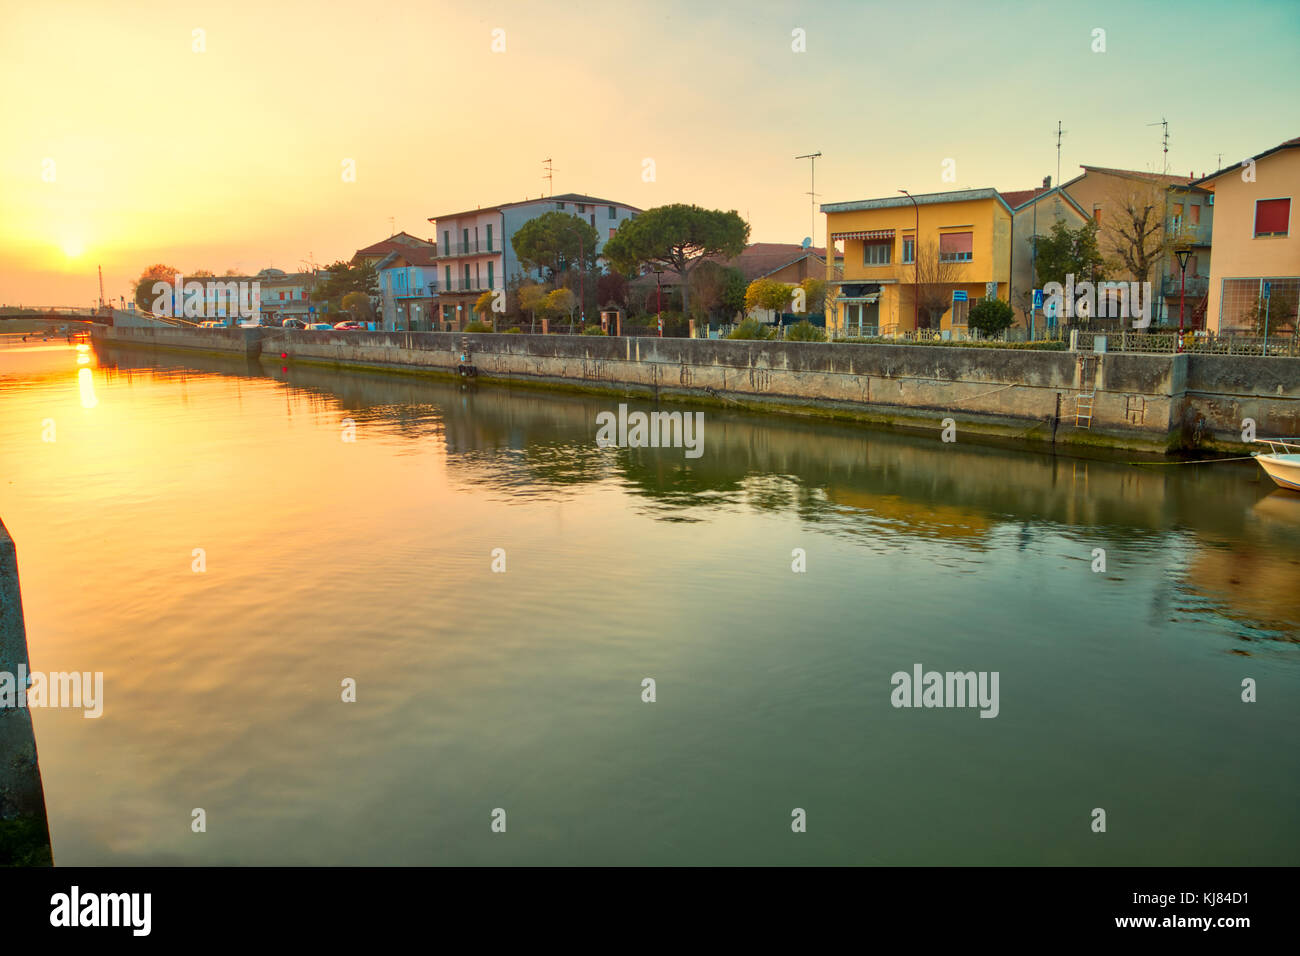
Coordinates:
[1038,298]
[1268,289]
[959,296]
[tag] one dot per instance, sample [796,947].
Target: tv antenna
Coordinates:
[812,194]
[1164,139]
[1059,133]
[549,177]
[392,226]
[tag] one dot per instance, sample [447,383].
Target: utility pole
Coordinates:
[1059,133]
[812,195]
[101,287]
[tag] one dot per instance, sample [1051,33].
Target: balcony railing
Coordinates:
[475,247]
[1181,232]
[1196,286]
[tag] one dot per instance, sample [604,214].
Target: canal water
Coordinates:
[200,531]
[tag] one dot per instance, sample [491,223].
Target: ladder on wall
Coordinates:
[1084,400]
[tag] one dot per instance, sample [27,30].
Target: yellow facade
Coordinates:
[1241,255]
[980,213]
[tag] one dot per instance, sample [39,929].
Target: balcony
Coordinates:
[1196,286]
[476,247]
[1181,233]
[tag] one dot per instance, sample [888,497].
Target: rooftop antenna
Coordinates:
[1059,133]
[1220,166]
[812,195]
[549,177]
[1165,142]
[392,226]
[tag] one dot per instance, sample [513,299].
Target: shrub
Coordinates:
[478,327]
[593,330]
[750,329]
[991,316]
[804,331]
[514,330]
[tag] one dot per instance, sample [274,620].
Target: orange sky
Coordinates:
[232,157]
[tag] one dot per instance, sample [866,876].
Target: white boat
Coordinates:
[1282,461]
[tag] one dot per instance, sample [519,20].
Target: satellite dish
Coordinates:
[807,242]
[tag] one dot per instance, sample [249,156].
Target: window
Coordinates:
[613,213]
[489,237]
[582,208]
[1272,217]
[955,247]
[961,311]
[1194,262]
[446,243]
[446,277]
[593,220]
[1096,213]
[466,285]
[1194,214]
[559,205]
[1177,221]
[464,240]
[876,253]
[491,284]
[909,249]
[612,230]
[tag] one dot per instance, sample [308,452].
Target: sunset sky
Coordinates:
[233,157]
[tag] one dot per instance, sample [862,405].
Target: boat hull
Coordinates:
[1283,469]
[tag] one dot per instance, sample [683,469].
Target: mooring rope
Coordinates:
[1199,461]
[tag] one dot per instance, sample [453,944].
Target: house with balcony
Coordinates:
[408,290]
[285,295]
[919,261]
[1256,269]
[1033,213]
[1182,217]
[475,253]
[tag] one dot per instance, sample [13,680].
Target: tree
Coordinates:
[342,278]
[561,302]
[804,331]
[708,281]
[733,293]
[611,289]
[1279,309]
[768,294]
[203,274]
[991,316]
[1134,228]
[933,285]
[555,240]
[1067,251]
[358,305]
[532,299]
[814,295]
[144,294]
[751,329]
[677,238]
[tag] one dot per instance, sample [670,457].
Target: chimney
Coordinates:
[1047,182]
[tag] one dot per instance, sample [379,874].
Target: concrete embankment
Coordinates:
[24,831]
[1138,401]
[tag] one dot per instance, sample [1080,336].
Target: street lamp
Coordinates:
[1183,255]
[916,266]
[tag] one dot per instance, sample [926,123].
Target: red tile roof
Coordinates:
[1018,197]
[397,243]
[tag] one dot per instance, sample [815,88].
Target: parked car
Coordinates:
[349,326]
[213,324]
[293,324]
[320,327]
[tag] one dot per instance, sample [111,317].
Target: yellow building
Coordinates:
[1256,241]
[888,286]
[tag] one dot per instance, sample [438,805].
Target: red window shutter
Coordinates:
[956,242]
[1272,216]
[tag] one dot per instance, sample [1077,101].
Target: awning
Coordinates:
[864,234]
[858,291]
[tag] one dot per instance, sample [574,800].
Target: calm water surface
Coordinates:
[476,690]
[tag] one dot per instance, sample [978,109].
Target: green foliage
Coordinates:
[144,295]
[814,291]
[478,327]
[593,330]
[751,329]
[554,240]
[1055,345]
[991,316]
[676,238]
[343,279]
[1069,251]
[23,842]
[359,306]
[560,302]
[768,294]
[514,330]
[804,331]
[733,293]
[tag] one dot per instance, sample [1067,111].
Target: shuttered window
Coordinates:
[1272,217]
[956,247]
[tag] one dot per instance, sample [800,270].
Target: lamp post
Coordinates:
[659,286]
[1182,255]
[916,266]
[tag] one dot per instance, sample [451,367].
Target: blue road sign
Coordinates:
[1268,289]
[959,296]
[1038,298]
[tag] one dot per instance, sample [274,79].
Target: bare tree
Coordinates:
[933,284]
[1134,227]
